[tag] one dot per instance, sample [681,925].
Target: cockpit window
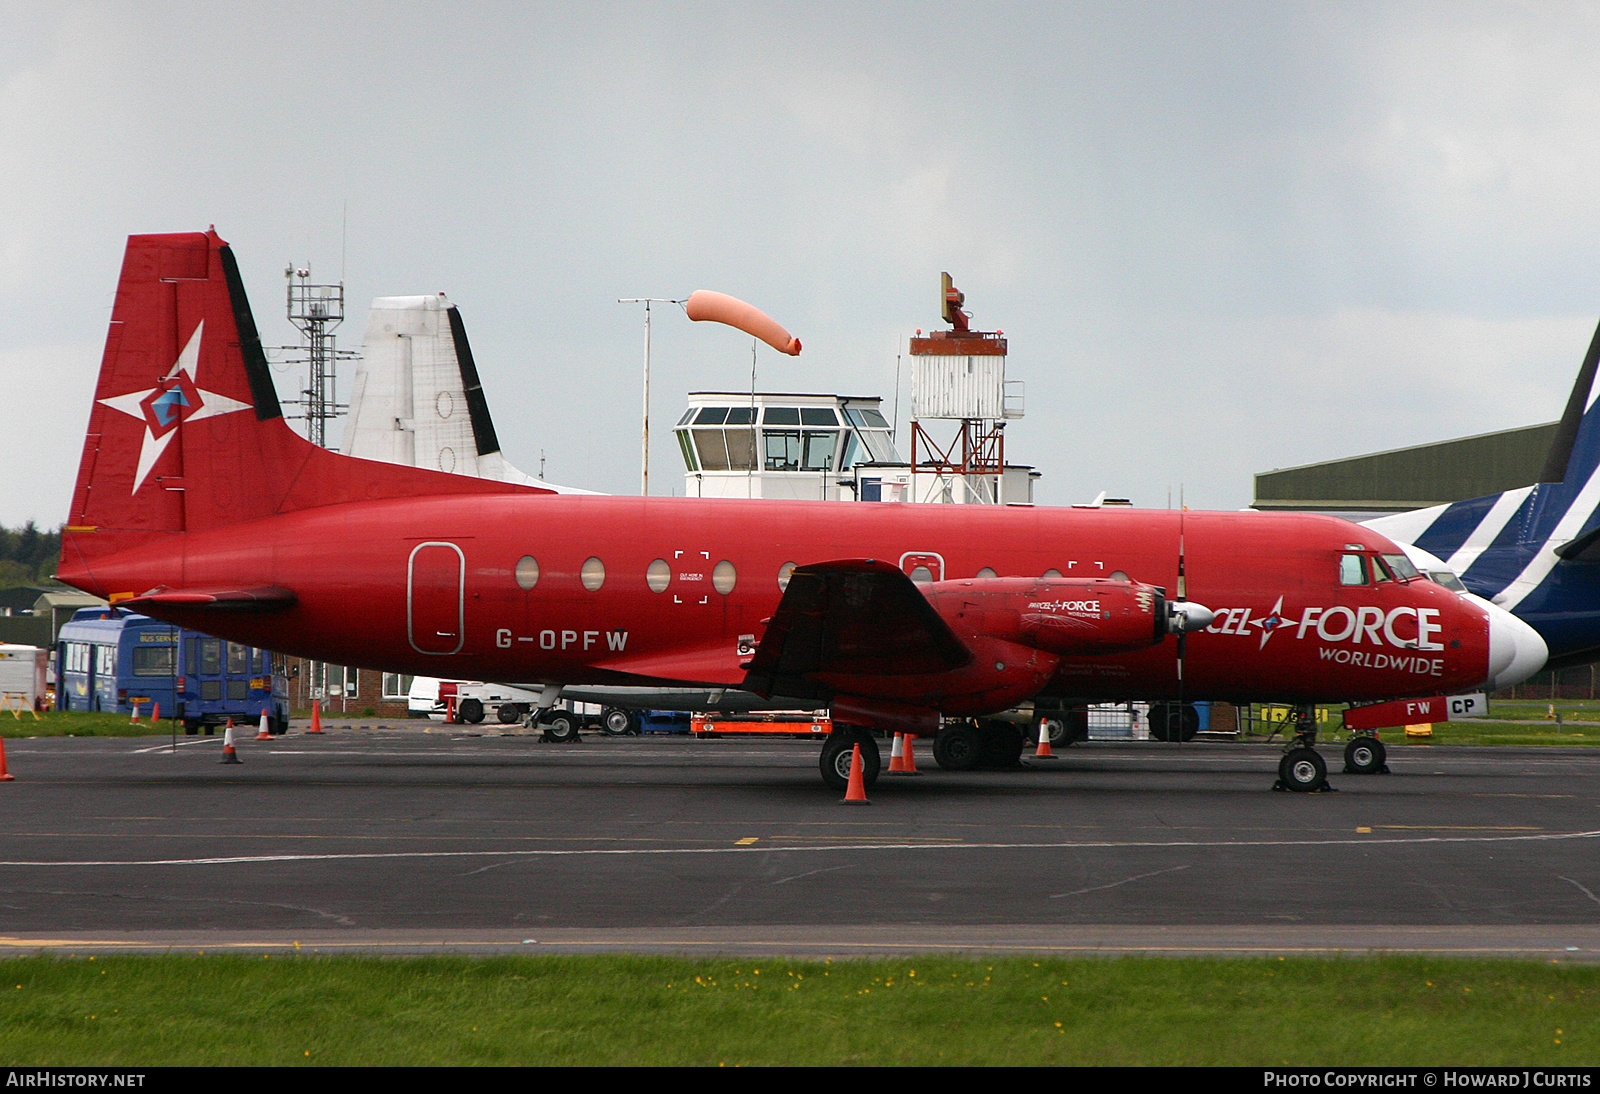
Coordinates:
[1448,579]
[1380,570]
[1352,569]
[1401,567]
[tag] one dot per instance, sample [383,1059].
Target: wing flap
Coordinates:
[258,598]
[860,617]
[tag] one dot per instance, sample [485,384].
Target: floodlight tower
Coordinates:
[960,375]
[316,310]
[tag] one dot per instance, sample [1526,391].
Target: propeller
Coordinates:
[1184,615]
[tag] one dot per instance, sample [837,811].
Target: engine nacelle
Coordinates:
[1066,616]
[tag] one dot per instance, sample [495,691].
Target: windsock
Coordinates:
[722,308]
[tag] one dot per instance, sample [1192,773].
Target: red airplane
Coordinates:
[197,504]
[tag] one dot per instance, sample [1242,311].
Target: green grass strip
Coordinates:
[612,1009]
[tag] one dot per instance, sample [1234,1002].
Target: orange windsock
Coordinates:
[722,308]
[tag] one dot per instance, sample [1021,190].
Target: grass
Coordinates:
[62,723]
[641,1010]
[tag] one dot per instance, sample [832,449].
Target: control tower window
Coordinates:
[782,449]
[819,451]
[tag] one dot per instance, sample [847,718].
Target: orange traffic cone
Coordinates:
[911,755]
[5,776]
[856,792]
[229,756]
[155,712]
[1043,752]
[263,735]
[135,717]
[316,716]
[897,756]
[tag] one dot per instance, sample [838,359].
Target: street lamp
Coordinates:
[644,458]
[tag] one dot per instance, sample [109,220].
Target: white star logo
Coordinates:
[178,398]
[1271,623]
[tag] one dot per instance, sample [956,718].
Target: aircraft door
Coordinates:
[435,598]
[923,566]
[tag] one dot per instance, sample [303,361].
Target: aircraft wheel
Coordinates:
[470,710]
[561,726]
[1174,721]
[958,747]
[1302,769]
[838,753]
[1365,756]
[1060,733]
[1002,744]
[617,722]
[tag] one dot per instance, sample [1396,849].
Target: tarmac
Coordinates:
[403,839]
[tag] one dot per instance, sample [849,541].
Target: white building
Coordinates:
[810,447]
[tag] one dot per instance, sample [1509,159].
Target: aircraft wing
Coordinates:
[856,617]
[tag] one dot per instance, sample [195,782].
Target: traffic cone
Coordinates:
[135,717]
[229,756]
[155,711]
[911,755]
[5,776]
[1550,715]
[316,716]
[856,792]
[897,756]
[1043,752]
[264,735]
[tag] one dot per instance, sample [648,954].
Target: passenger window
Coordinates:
[986,573]
[1352,569]
[658,576]
[527,572]
[723,577]
[783,575]
[592,574]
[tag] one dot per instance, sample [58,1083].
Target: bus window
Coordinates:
[209,662]
[152,661]
[239,689]
[105,661]
[238,659]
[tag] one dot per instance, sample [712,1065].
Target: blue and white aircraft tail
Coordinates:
[1535,550]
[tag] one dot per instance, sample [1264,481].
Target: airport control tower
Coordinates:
[959,375]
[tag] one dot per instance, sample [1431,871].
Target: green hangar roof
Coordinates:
[1412,478]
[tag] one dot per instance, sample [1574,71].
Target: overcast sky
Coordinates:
[1221,238]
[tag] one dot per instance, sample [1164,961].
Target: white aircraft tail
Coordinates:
[417,399]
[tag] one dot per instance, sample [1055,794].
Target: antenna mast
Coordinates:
[315,310]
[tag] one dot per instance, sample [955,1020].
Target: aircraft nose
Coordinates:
[1516,651]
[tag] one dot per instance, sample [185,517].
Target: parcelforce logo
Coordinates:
[1403,628]
[1066,605]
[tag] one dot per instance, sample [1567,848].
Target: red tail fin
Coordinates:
[186,433]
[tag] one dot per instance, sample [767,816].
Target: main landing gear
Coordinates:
[964,746]
[838,752]
[1302,768]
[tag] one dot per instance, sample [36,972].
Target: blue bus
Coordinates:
[108,658]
